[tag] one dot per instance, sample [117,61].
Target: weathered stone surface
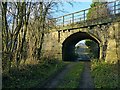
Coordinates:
[107,35]
[113,50]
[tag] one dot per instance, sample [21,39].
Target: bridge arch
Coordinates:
[69,43]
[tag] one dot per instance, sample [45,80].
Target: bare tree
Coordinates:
[14,17]
[41,18]
[24,26]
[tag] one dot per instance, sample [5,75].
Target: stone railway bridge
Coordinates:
[66,31]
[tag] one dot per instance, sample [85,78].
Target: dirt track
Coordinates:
[54,82]
[85,82]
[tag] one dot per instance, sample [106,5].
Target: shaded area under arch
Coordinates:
[68,46]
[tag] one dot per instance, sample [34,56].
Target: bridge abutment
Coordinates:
[113,46]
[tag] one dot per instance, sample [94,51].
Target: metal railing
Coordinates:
[104,10]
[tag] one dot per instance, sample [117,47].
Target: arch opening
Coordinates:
[86,50]
[70,51]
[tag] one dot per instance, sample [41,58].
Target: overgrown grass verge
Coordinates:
[31,75]
[105,74]
[72,78]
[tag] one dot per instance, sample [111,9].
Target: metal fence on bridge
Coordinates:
[106,9]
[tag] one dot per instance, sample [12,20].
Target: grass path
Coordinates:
[86,79]
[69,77]
[74,75]
[54,82]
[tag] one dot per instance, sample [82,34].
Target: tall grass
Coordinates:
[105,74]
[31,75]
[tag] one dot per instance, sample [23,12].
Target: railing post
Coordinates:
[63,21]
[73,18]
[115,7]
[84,15]
[119,7]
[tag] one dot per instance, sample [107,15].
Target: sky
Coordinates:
[68,8]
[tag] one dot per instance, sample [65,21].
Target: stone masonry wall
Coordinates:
[113,49]
[108,36]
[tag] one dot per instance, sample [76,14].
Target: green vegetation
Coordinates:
[99,9]
[93,48]
[72,78]
[105,75]
[31,76]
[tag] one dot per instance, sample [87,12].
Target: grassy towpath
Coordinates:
[69,77]
[86,78]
